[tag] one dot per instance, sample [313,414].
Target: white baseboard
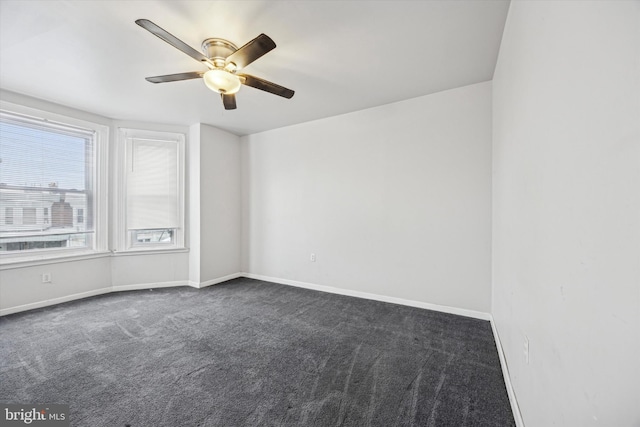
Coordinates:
[366,295]
[119,288]
[87,294]
[215,281]
[507,379]
[54,301]
[141,286]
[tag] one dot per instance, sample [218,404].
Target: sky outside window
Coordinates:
[37,158]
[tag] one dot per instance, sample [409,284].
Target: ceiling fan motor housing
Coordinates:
[218,50]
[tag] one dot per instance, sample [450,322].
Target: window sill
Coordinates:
[22,261]
[149,251]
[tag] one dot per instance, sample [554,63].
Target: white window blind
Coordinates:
[153,184]
[46,171]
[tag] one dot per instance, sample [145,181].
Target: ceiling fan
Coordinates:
[224,60]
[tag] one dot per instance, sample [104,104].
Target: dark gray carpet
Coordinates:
[252,353]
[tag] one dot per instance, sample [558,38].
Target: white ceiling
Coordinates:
[339,56]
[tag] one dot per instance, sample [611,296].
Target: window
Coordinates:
[49,167]
[29,216]
[152,190]
[80,216]
[164,236]
[8,216]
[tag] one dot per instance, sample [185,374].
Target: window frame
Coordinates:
[8,213]
[123,242]
[99,194]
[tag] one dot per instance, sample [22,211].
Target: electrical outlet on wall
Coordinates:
[525,349]
[312,257]
[46,277]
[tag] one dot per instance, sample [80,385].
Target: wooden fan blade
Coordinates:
[251,51]
[229,101]
[265,85]
[175,77]
[172,40]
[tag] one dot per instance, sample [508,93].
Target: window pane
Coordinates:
[46,173]
[8,216]
[152,185]
[29,216]
[141,237]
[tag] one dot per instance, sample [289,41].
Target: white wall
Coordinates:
[393,200]
[149,269]
[193,202]
[566,210]
[220,204]
[69,280]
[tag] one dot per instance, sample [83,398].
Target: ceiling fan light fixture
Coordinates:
[221,81]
